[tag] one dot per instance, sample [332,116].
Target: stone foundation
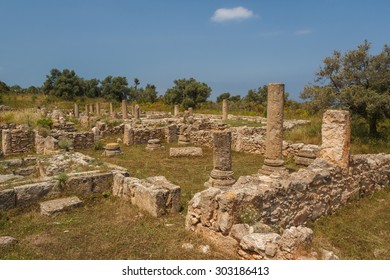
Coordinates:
[292,200]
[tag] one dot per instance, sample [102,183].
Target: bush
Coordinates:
[45,122]
[64,143]
[98,146]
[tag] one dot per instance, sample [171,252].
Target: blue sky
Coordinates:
[231,45]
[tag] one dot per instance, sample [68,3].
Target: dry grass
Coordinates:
[111,228]
[361,230]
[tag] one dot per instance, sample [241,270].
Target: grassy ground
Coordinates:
[110,228]
[361,230]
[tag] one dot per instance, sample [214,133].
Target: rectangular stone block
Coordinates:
[31,193]
[7,199]
[90,183]
[51,207]
[336,133]
[186,152]
[155,195]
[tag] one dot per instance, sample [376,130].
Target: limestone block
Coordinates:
[7,199]
[336,133]
[90,183]
[51,207]
[31,193]
[186,152]
[295,236]
[155,195]
[6,241]
[257,242]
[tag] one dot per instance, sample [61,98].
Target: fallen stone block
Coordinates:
[186,152]
[59,205]
[6,241]
[90,183]
[7,199]
[31,193]
[156,195]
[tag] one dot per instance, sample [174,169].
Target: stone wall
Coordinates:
[17,141]
[141,135]
[292,200]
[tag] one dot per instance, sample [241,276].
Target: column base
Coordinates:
[220,179]
[272,165]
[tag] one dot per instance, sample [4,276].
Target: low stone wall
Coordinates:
[155,195]
[27,194]
[291,200]
[17,141]
[141,135]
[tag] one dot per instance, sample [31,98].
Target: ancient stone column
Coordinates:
[274,138]
[336,136]
[86,109]
[76,110]
[111,110]
[176,110]
[124,109]
[171,133]
[224,110]
[97,109]
[190,113]
[222,175]
[91,108]
[137,112]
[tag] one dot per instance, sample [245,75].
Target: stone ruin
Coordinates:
[263,216]
[260,216]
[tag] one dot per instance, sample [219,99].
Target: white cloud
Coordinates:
[303,32]
[238,13]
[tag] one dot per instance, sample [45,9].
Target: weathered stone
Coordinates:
[271,249]
[186,152]
[31,193]
[154,144]
[336,133]
[176,110]
[51,207]
[7,199]
[76,110]
[328,255]
[26,171]
[6,241]
[303,160]
[156,195]
[257,242]
[274,141]
[90,183]
[124,109]
[224,110]
[238,231]
[112,149]
[294,237]
[8,177]
[222,174]
[171,133]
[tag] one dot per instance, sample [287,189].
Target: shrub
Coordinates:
[64,143]
[45,122]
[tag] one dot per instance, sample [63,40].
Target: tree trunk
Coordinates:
[373,126]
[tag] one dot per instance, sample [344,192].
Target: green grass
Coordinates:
[361,230]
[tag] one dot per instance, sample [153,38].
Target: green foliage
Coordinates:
[64,143]
[355,80]
[45,122]
[115,88]
[98,145]
[248,214]
[226,95]
[187,92]
[106,194]
[3,87]
[65,84]
[62,178]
